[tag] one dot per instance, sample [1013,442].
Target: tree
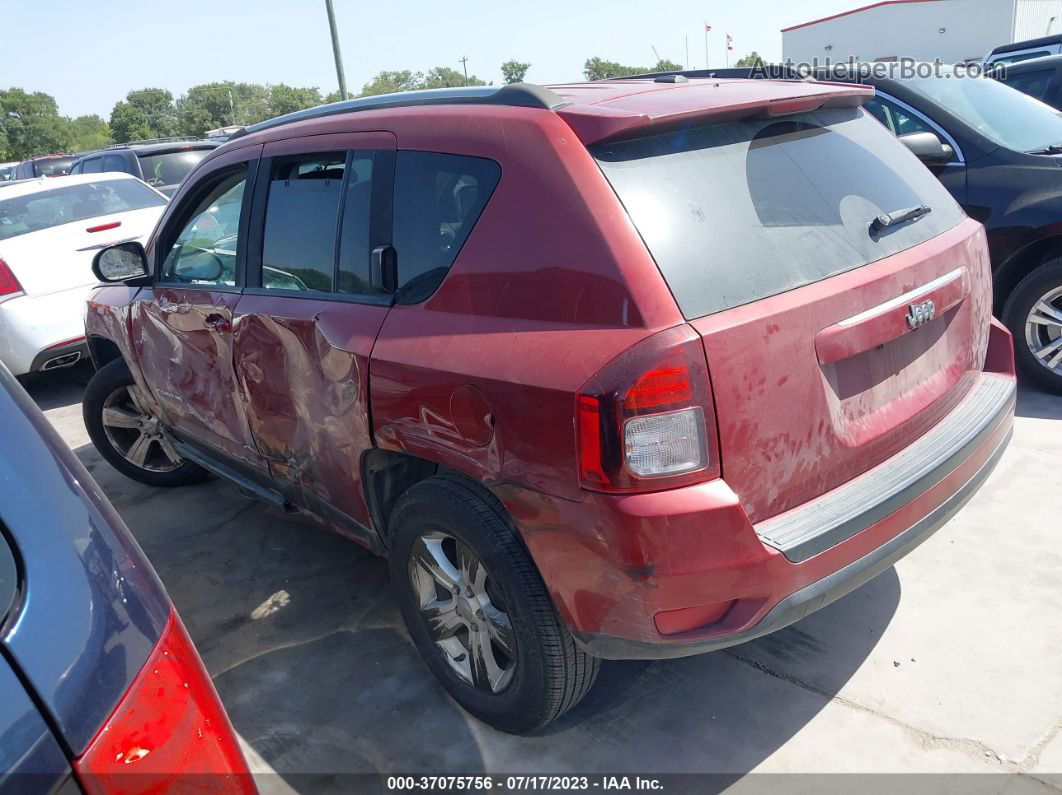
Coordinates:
[599,69]
[514,71]
[31,125]
[752,59]
[392,82]
[89,132]
[287,99]
[147,113]
[445,77]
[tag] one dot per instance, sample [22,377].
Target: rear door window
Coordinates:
[736,212]
[438,199]
[301,222]
[93,165]
[169,168]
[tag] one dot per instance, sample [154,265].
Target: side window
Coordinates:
[355,246]
[898,120]
[114,163]
[301,221]
[438,199]
[92,166]
[1032,83]
[204,251]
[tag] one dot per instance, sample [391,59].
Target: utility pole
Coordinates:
[464,65]
[335,49]
[232,108]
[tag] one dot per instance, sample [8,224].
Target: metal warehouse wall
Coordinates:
[1035,18]
[911,29]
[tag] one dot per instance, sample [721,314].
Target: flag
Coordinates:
[729,42]
[707,28]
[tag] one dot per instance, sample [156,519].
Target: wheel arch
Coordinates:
[102,351]
[1019,265]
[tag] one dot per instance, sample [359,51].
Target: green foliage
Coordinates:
[752,59]
[89,132]
[514,71]
[146,113]
[445,77]
[405,80]
[31,125]
[288,99]
[599,69]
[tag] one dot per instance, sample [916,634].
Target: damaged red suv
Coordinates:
[632,369]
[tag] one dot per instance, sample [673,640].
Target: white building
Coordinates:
[951,30]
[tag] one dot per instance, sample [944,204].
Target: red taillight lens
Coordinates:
[169,731]
[8,283]
[646,421]
[104,227]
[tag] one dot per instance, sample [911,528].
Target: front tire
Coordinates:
[127,435]
[1033,313]
[478,611]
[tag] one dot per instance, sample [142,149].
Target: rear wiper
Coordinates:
[898,217]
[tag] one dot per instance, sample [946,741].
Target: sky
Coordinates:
[88,55]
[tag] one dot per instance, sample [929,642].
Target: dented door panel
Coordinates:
[303,368]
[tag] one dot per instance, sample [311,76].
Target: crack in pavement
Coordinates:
[927,740]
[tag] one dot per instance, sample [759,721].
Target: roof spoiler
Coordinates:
[596,123]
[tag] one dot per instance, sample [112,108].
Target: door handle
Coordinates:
[218,323]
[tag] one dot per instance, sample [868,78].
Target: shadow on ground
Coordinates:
[299,630]
[1036,403]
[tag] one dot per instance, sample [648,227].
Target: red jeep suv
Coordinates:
[630,369]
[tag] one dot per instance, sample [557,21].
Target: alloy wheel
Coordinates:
[463,611]
[136,434]
[1043,330]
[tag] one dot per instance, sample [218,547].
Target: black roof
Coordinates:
[168,146]
[523,95]
[1022,45]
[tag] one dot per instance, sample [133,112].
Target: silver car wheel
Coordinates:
[1043,330]
[135,434]
[463,612]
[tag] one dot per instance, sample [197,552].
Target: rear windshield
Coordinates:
[53,166]
[45,209]
[739,211]
[171,167]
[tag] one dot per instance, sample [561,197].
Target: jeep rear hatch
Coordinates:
[765,231]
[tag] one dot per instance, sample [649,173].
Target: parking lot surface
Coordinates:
[949,662]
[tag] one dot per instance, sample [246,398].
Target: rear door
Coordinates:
[311,312]
[825,358]
[182,326]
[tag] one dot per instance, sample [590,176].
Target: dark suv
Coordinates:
[44,166]
[637,369]
[161,164]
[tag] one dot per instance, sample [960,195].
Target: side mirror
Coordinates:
[120,263]
[927,147]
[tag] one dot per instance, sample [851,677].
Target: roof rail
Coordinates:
[172,140]
[524,95]
[761,72]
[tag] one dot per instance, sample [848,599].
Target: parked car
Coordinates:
[997,151]
[49,231]
[614,370]
[100,685]
[7,171]
[1028,49]
[1040,78]
[44,166]
[161,164]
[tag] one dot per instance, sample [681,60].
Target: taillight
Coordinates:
[169,731]
[646,420]
[8,283]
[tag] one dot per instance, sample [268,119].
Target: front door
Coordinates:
[313,306]
[182,326]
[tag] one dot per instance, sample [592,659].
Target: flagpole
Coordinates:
[706,64]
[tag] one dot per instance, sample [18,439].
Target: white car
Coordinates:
[50,228]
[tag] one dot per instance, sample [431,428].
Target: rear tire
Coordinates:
[471,546]
[1033,313]
[127,436]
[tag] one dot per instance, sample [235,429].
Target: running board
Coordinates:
[244,483]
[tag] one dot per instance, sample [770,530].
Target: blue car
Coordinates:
[101,689]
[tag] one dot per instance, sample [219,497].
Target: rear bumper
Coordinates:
[615,564]
[35,330]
